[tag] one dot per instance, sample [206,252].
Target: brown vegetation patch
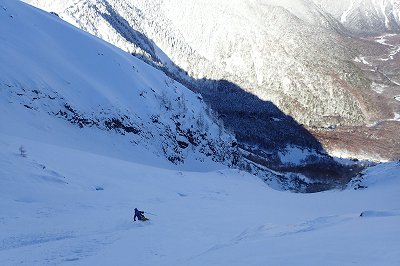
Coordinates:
[379,142]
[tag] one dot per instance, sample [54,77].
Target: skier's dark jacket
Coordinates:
[139,215]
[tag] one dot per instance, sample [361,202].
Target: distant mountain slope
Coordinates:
[53,73]
[54,69]
[365,16]
[267,67]
[282,51]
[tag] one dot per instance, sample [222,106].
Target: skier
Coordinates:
[139,215]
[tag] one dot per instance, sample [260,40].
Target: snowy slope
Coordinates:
[102,87]
[71,203]
[53,71]
[70,200]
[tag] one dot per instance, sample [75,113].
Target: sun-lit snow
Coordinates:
[72,201]
[67,192]
[101,86]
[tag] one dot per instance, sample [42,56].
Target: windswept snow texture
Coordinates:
[50,67]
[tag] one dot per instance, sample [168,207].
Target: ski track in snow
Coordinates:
[23,241]
[280,231]
[284,230]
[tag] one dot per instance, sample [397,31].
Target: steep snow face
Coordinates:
[51,68]
[365,16]
[280,51]
[102,20]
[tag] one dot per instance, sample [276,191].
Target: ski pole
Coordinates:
[150,213]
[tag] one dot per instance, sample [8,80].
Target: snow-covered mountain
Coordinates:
[257,63]
[365,16]
[280,51]
[88,133]
[54,72]
[53,69]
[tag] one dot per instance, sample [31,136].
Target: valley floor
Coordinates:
[66,204]
[379,139]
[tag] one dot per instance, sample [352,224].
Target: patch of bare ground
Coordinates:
[379,142]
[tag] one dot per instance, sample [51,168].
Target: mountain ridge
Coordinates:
[102,87]
[295,55]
